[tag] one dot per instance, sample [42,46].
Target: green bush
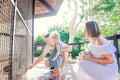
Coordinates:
[38,53]
[48,55]
[74,55]
[75,51]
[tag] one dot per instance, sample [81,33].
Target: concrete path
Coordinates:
[40,72]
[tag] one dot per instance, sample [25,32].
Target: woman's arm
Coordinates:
[107,59]
[57,53]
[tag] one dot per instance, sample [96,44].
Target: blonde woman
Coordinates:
[100,62]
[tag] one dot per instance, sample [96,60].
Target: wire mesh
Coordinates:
[20,49]
[22,54]
[6,14]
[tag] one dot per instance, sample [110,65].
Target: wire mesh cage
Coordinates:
[6,15]
[15,40]
[20,49]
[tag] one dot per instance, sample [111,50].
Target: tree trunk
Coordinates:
[72,27]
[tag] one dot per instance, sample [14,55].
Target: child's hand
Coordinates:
[53,59]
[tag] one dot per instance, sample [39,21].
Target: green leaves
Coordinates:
[107,13]
[62,30]
[39,39]
[64,33]
[106,5]
[82,16]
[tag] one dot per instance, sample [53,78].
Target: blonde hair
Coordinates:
[55,35]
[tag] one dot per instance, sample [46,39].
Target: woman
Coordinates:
[100,62]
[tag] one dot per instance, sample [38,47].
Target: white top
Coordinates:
[98,51]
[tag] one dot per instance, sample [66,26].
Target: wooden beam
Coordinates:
[51,11]
[45,15]
[47,6]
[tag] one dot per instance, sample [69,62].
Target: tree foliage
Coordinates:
[105,5]
[62,30]
[64,33]
[39,39]
[107,12]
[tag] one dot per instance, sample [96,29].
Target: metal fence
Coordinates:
[20,49]
[6,15]
[15,38]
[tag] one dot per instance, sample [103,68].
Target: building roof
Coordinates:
[46,7]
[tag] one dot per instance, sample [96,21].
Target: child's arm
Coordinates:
[57,53]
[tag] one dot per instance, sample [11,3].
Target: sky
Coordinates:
[42,25]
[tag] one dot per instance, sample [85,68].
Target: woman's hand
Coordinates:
[86,57]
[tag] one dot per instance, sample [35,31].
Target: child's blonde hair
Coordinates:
[55,35]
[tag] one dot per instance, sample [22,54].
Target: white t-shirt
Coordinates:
[47,48]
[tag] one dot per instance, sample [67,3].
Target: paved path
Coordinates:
[40,72]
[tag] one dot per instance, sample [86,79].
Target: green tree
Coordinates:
[62,30]
[39,39]
[80,11]
[107,14]
[80,37]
